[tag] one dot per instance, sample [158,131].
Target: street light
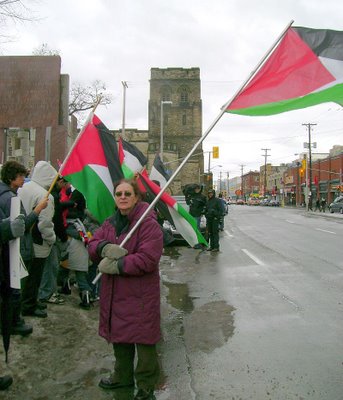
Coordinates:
[161,140]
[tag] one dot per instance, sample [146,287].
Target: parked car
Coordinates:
[253,202]
[240,202]
[264,202]
[337,205]
[274,203]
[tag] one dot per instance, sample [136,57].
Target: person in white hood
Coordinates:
[43,235]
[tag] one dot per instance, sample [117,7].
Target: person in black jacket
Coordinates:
[213,214]
[197,204]
[8,231]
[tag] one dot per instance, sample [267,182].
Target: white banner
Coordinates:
[17,267]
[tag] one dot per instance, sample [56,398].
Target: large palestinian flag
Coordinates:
[92,166]
[305,69]
[172,211]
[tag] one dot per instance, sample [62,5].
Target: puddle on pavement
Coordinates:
[209,326]
[178,296]
[171,252]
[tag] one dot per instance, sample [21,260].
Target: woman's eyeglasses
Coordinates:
[126,194]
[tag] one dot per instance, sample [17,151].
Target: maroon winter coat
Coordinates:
[130,303]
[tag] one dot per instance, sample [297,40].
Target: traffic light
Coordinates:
[215,152]
[303,164]
[301,171]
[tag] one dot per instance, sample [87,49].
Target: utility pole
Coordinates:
[265,155]
[309,199]
[242,193]
[220,181]
[124,83]
[228,184]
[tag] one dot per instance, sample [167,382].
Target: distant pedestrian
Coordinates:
[197,204]
[213,215]
[223,204]
[323,204]
[317,205]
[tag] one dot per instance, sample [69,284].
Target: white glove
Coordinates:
[108,266]
[113,251]
[18,226]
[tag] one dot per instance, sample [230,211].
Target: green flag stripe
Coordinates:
[190,230]
[331,94]
[100,201]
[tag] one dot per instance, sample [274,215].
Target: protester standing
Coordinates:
[8,230]
[213,213]
[78,258]
[48,286]
[13,175]
[197,204]
[223,204]
[130,291]
[43,234]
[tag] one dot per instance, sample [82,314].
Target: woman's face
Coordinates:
[125,197]
[18,182]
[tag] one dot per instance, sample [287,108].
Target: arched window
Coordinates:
[165,92]
[184,94]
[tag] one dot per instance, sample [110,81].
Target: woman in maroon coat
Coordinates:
[130,290]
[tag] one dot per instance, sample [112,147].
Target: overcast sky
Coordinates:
[118,41]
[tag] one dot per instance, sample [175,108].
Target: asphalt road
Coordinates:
[261,319]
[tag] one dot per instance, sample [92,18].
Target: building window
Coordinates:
[184,97]
[184,119]
[165,92]
[184,94]
[154,146]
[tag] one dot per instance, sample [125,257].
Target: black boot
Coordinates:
[65,288]
[145,394]
[5,382]
[21,328]
[85,300]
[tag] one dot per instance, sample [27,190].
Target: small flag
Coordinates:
[132,160]
[158,172]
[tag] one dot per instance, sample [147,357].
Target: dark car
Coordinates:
[337,205]
[274,203]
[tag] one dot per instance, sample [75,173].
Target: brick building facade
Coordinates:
[34,99]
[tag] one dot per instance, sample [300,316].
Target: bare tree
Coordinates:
[44,50]
[13,11]
[84,98]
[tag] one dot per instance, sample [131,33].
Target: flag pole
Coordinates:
[203,137]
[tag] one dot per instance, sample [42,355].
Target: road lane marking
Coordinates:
[290,222]
[254,258]
[324,230]
[228,233]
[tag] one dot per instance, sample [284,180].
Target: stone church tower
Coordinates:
[182,122]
